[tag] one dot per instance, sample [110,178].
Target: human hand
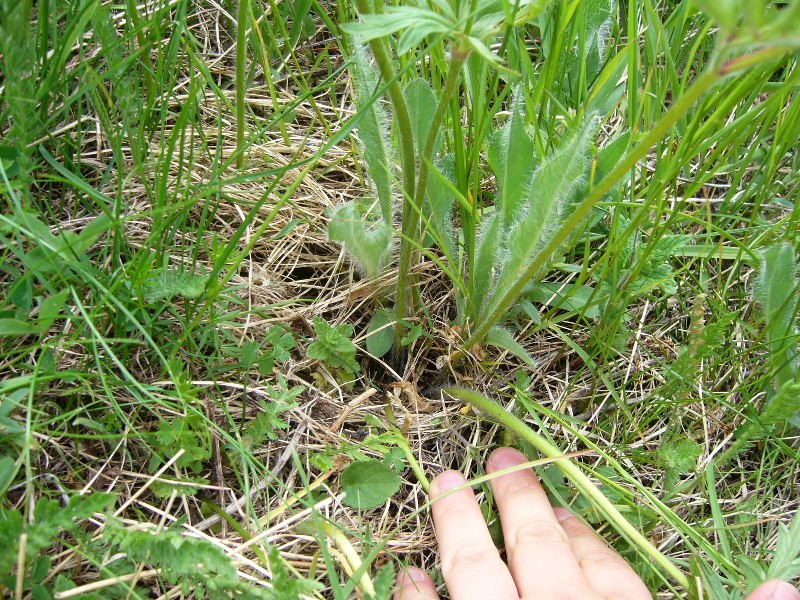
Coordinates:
[551,554]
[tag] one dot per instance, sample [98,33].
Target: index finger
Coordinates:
[471,565]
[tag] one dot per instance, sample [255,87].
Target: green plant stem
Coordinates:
[411,209]
[573,473]
[407,158]
[136,24]
[403,444]
[241,55]
[680,108]
[358,567]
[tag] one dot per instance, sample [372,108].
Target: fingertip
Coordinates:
[445,482]
[415,584]
[504,457]
[775,589]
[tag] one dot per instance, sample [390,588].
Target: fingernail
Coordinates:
[505,457]
[447,481]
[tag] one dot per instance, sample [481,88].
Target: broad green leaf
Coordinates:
[15,327]
[368,484]
[599,14]
[785,563]
[20,293]
[364,235]
[8,471]
[567,296]
[380,333]
[301,11]
[608,87]
[52,251]
[373,129]
[512,156]
[439,205]
[551,187]
[611,154]
[776,288]
[422,108]
[502,338]
[726,13]
[50,308]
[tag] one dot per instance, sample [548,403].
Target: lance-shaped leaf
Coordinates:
[776,289]
[502,338]
[422,108]
[512,156]
[550,189]
[485,270]
[373,129]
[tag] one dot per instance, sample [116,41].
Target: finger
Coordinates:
[609,575]
[471,565]
[539,553]
[415,584]
[774,589]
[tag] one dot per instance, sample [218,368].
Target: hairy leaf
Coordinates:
[373,129]
[512,156]
[364,235]
[776,289]
[551,186]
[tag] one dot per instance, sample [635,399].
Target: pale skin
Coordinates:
[551,555]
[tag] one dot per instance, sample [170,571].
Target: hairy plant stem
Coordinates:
[410,224]
[680,108]
[573,473]
[407,159]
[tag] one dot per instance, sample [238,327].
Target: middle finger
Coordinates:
[540,556]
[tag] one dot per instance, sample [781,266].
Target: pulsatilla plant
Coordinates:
[489,259]
[549,179]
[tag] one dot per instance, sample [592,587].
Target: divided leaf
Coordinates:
[334,346]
